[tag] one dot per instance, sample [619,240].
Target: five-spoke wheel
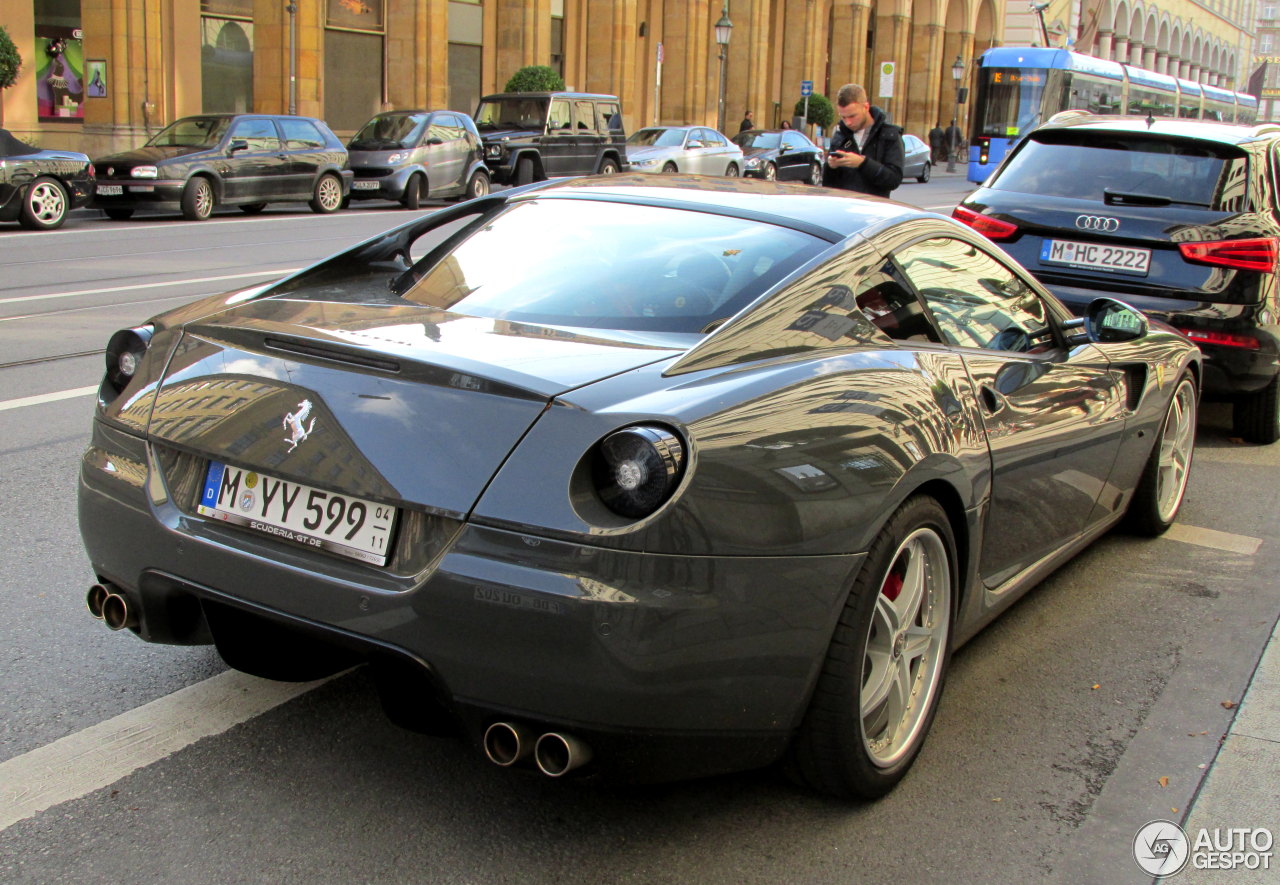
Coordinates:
[45,206]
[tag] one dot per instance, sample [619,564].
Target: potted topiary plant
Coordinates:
[535,78]
[821,112]
[10,64]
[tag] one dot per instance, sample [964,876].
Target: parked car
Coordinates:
[407,156]
[532,136]
[698,150]
[38,187]
[780,155]
[1177,217]
[684,480]
[245,160]
[918,161]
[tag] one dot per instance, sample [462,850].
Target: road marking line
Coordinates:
[100,755]
[235,276]
[1189,534]
[189,298]
[46,398]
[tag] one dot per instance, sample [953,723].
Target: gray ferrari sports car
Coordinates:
[631,476]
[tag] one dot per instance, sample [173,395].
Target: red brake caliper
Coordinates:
[892,586]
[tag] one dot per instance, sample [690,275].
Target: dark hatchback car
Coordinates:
[533,136]
[780,155]
[37,187]
[245,160]
[408,156]
[1176,217]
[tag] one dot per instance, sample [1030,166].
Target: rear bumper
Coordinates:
[642,651]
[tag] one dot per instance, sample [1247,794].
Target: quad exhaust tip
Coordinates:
[110,606]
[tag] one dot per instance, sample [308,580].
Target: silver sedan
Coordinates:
[700,150]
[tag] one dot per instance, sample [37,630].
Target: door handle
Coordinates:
[992,399]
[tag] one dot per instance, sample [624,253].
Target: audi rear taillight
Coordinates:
[991,228]
[1225,339]
[1255,254]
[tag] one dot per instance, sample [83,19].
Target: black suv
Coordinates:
[247,160]
[531,136]
[1177,217]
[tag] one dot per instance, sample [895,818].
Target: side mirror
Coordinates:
[1107,321]
[435,140]
[238,145]
[782,149]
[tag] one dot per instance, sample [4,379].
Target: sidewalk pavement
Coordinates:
[1242,787]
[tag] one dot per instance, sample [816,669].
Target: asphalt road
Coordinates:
[1056,728]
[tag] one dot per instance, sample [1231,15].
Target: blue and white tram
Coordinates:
[1016,88]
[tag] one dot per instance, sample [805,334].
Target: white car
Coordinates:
[700,150]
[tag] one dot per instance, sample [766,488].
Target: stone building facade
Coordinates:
[100,75]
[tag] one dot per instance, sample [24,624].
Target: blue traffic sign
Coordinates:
[806,87]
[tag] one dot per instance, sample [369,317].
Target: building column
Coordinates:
[18,111]
[748,86]
[1135,54]
[893,34]
[1149,58]
[417,46]
[848,60]
[1105,44]
[1162,63]
[1119,50]
[924,105]
[522,35]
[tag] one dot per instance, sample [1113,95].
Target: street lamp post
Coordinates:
[957,74]
[723,27]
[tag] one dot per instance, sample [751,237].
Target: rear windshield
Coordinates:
[1084,166]
[610,265]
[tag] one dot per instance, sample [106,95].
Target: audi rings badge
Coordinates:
[1098,223]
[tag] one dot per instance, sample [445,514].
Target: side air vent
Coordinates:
[332,355]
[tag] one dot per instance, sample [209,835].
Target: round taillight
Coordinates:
[637,468]
[124,354]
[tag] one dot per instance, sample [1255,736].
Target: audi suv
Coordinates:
[1176,217]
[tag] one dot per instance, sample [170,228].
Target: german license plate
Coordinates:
[1096,256]
[341,524]
[110,190]
[364,185]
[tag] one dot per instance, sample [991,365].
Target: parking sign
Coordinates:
[806,87]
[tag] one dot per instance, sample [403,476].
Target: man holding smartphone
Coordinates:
[866,152]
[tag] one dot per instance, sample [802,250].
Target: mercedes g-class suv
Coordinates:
[532,136]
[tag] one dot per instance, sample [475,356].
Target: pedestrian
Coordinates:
[747,122]
[866,152]
[938,143]
[954,139]
[786,124]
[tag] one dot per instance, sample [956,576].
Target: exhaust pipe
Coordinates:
[506,743]
[558,754]
[116,612]
[97,598]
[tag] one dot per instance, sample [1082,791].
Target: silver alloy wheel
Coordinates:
[1177,442]
[770,172]
[47,203]
[905,648]
[329,194]
[815,175]
[479,186]
[204,198]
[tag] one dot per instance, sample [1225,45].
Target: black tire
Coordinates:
[119,213]
[815,174]
[524,171]
[197,199]
[1256,416]
[833,751]
[1163,485]
[478,186]
[770,172]
[45,205]
[669,169]
[732,171]
[608,166]
[412,198]
[253,208]
[327,196]
[924,175]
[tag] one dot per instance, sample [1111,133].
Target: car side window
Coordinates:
[301,135]
[560,117]
[585,114]
[892,307]
[975,300]
[259,133]
[608,117]
[794,141]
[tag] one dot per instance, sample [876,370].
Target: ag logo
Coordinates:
[1161,848]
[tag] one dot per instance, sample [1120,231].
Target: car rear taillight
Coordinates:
[1226,339]
[991,228]
[1255,254]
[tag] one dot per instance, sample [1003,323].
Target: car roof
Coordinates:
[548,95]
[838,213]
[1210,130]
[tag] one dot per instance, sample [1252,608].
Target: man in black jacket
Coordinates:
[866,152]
